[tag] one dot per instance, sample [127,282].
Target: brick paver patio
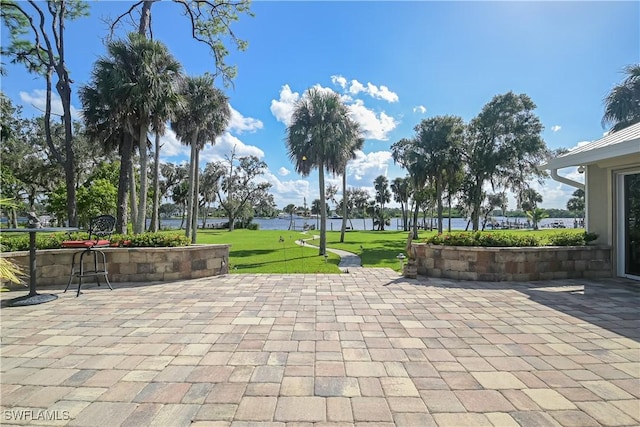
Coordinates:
[366,348]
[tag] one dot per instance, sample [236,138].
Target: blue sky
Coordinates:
[395,63]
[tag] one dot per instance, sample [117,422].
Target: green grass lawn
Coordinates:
[261,251]
[375,248]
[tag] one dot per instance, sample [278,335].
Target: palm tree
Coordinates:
[290,209]
[168,102]
[319,137]
[406,153]
[383,195]
[438,139]
[133,87]
[105,119]
[622,105]
[576,203]
[356,144]
[536,215]
[203,118]
[401,189]
[180,195]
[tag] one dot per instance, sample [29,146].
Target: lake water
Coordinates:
[358,224]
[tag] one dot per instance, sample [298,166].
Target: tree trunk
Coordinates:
[476,202]
[196,194]
[132,191]
[123,184]
[141,222]
[416,212]
[344,204]
[231,210]
[439,204]
[155,216]
[145,17]
[322,247]
[192,166]
[449,205]
[13,218]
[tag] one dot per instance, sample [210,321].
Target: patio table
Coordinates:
[33,297]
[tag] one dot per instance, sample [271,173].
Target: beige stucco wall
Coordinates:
[598,203]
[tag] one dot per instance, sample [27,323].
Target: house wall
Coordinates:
[599,203]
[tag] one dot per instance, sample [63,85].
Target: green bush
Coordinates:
[506,240]
[571,239]
[150,240]
[54,241]
[484,239]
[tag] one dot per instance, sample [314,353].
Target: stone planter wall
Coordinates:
[517,264]
[132,264]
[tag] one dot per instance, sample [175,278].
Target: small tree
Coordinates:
[383,196]
[240,185]
[576,203]
[290,209]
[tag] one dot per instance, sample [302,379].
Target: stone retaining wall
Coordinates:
[517,264]
[132,264]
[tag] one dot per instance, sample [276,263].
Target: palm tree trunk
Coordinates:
[144,162]
[196,194]
[192,165]
[449,206]
[439,204]
[123,184]
[155,217]
[416,212]
[344,204]
[132,191]
[322,247]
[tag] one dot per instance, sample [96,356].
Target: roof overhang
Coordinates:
[617,144]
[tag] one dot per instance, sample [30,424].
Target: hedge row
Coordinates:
[511,240]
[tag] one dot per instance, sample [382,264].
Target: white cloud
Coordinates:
[285,192]
[354,87]
[282,109]
[366,167]
[283,171]
[38,100]
[374,126]
[555,128]
[420,109]
[238,123]
[382,92]
[339,80]
[223,147]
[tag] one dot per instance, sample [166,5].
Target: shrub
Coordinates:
[484,239]
[571,239]
[54,241]
[150,240]
[506,240]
